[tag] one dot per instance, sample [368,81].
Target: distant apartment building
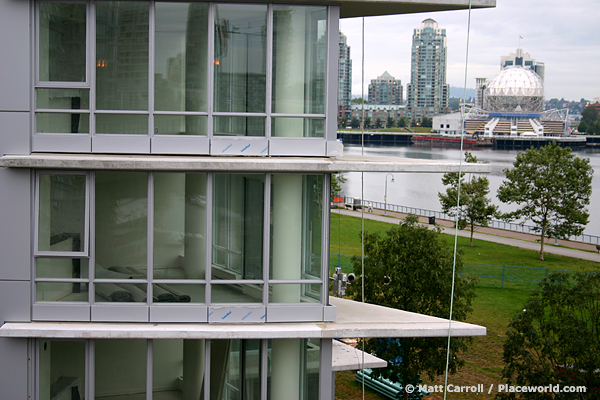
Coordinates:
[480,84]
[427,92]
[344,78]
[524,60]
[385,90]
[378,113]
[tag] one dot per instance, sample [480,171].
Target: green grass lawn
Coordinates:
[493,307]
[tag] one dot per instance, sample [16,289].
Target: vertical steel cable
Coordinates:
[362,196]
[462,135]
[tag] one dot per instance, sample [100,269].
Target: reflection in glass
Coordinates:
[63,99]
[62,123]
[180,125]
[120,368]
[61,369]
[122,37]
[240,57]
[298,127]
[238,210]
[178,293]
[181,56]
[122,124]
[62,42]
[239,126]
[174,359]
[309,293]
[62,268]
[121,224]
[61,291]
[61,224]
[296,228]
[236,293]
[179,226]
[299,59]
[235,368]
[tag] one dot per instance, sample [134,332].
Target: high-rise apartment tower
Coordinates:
[385,90]
[427,91]
[344,78]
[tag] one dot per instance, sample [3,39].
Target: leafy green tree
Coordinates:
[582,127]
[367,122]
[410,268]
[552,188]
[378,123]
[401,122]
[555,340]
[475,207]
[390,122]
[359,100]
[336,184]
[427,122]
[590,113]
[354,123]
[343,122]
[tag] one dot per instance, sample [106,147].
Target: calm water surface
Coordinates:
[421,190]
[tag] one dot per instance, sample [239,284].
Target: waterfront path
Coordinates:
[584,251]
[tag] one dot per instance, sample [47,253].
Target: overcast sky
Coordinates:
[565,35]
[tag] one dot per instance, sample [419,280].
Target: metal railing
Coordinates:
[494,223]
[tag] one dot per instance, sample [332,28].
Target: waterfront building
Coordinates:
[378,112]
[385,90]
[427,92]
[344,79]
[165,171]
[522,59]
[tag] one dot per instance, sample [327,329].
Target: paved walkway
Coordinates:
[584,251]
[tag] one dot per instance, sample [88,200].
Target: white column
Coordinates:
[195,226]
[287,236]
[289,65]
[285,368]
[193,369]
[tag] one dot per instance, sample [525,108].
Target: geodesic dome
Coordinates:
[514,89]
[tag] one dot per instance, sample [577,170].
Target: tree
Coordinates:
[427,122]
[378,123]
[552,188]
[589,114]
[336,184]
[390,122]
[555,340]
[359,100]
[354,123]
[410,268]
[401,122]
[582,127]
[367,122]
[475,207]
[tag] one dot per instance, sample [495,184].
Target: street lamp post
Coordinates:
[385,196]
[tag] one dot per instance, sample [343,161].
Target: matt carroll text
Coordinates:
[479,388]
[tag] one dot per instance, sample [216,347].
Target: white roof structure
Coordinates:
[515,89]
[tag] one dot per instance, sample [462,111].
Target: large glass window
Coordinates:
[175,212]
[299,55]
[61,370]
[120,369]
[240,57]
[180,59]
[122,40]
[169,69]
[62,42]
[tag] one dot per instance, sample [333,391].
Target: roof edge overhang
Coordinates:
[369,8]
[345,163]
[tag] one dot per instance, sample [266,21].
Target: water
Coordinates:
[421,190]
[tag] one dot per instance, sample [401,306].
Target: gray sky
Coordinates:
[565,35]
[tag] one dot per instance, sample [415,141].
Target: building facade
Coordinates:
[520,58]
[385,90]
[165,172]
[344,79]
[427,92]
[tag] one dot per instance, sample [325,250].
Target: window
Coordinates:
[180,368]
[180,78]
[176,240]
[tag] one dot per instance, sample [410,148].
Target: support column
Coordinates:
[287,236]
[286,364]
[193,369]
[195,226]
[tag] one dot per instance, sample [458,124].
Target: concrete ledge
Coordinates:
[345,163]
[354,320]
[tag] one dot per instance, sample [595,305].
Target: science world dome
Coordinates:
[514,90]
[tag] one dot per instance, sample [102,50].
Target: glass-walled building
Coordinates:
[165,171]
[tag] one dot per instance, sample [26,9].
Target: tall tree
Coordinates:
[475,208]
[552,189]
[410,268]
[555,340]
